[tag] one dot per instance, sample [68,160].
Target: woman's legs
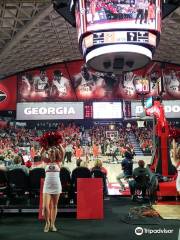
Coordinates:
[178,183]
[54,203]
[46,210]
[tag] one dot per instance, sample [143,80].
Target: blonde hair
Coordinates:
[83,164]
[98,163]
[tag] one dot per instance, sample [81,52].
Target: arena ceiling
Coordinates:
[33,34]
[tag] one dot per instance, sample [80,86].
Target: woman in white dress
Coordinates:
[176,156]
[52,185]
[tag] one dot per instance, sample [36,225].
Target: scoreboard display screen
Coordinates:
[107,110]
[88,111]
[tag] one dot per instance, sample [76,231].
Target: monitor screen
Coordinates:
[148,103]
[142,85]
[107,110]
[122,14]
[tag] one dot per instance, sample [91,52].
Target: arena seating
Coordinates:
[65,177]
[96,173]
[4,186]
[18,182]
[15,184]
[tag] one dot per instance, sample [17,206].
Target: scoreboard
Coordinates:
[103,110]
[88,111]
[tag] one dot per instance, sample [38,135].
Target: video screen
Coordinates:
[171,81]
[74,81]
[94,85]
[45,84]
[172,108]
[142,86]
[148,103]
[107,110]
[132,14]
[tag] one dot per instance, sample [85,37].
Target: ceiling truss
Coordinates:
[33,34]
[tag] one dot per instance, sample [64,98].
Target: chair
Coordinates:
[97,173]
[79,172]
[65,179]
[18,180]
[35,176]
[18,183]
[4,184]
[142,186]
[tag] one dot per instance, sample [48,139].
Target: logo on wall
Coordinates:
[3,96]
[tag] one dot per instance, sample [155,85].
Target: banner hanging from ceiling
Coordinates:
[73,81]
[50,83]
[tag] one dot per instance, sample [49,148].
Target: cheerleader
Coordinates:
[53,153]
[176,156]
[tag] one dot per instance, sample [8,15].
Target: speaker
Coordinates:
[118,63]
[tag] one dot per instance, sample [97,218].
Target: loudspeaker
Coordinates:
[118,63]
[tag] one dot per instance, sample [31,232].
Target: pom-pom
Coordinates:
[174,132]
[50,139]
[28,164]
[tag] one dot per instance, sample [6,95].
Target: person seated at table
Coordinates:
[83,164]
[98,166]
[140,180]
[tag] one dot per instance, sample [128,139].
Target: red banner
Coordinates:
[45,84]
[90,198]
[73,81]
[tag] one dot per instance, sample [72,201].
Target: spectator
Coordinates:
[139,171]
[17,163]
[98,165]
[84,164]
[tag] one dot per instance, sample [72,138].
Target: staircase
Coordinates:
[135,143]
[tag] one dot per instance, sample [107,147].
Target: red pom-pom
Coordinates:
[174,132]
[50,139]
[28,164]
